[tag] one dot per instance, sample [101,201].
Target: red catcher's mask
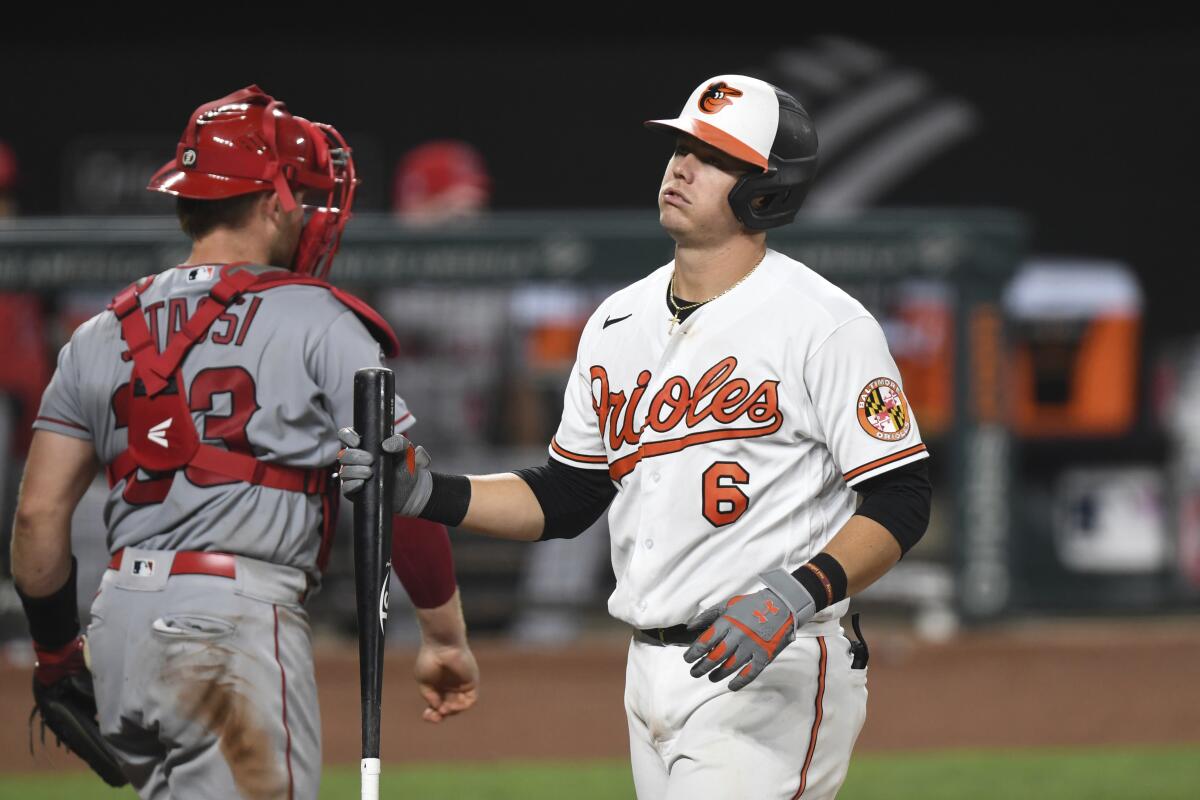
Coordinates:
[249,142]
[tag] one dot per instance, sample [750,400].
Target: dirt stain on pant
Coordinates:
[209,695]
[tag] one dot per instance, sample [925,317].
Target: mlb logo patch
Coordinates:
[201,274]
[143,567]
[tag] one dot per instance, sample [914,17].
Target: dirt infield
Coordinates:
[1060,684]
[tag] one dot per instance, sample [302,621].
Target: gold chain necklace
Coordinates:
[680,309]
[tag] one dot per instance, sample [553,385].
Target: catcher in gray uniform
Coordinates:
[211,393]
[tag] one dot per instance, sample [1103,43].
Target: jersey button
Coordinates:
[656,477]
[649,544]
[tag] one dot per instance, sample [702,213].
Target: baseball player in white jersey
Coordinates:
[211,392]
[730,405]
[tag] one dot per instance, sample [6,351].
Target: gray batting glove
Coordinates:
[742,635]
[412,482]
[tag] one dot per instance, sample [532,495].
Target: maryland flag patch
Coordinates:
[883,411]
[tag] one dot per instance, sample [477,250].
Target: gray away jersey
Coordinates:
[273,377]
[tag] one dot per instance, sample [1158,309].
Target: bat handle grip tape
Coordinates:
[369,770]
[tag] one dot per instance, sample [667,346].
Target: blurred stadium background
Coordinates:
[1019,212]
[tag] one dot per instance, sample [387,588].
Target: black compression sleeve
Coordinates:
[899,500]
[54,619]
[572,498]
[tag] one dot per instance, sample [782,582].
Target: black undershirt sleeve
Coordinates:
[572,498]
[899,500]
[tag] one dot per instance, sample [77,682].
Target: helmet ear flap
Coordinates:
[784,185]
[760,201]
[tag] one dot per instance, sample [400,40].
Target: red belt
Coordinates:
[193,562]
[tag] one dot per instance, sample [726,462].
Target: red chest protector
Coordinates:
[162,436]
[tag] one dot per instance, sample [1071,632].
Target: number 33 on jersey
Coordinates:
[743,431]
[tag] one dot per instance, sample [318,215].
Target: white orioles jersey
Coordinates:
[734,440]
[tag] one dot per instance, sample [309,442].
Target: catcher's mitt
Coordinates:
[64,696]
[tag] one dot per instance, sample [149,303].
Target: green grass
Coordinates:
[596,780]
[1082,774]
[1078,774]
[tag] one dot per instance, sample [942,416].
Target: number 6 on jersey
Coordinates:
[724,502]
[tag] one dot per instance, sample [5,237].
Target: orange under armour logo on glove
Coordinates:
[741,635]
[770,608]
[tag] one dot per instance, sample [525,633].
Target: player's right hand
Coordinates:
[412,482]
[448,678]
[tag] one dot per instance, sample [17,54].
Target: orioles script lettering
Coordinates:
[717,396]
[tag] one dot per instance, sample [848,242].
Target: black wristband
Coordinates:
[823,578]
[449,499]
[54,619]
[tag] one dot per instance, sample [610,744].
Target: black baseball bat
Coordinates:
[374,412]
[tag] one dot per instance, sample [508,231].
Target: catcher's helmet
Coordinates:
[249,142]
[764,126]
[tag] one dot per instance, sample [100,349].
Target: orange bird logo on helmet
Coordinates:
[717,96]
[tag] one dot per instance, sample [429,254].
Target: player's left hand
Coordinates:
[448,678]
[64,695]
[741,635]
